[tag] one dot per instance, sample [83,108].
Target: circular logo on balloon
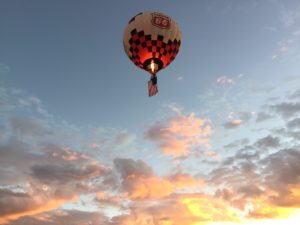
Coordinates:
[161,21]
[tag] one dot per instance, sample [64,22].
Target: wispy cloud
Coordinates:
[289,17]
[180,78]
[285,47]
[225,80]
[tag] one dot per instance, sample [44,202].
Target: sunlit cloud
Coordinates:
[192,209]
[16,206]
[179,133]
[140,182]
[57,217]
[185,181]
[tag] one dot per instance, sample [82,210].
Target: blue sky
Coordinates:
[79,133]
[71,54]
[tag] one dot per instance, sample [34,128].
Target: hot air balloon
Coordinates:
[151,41]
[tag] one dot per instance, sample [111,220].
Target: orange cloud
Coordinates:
[236,122]
[162,205]
[274,205]
[35,206]
[175,147]
[148,187]
[207,209]
[183,181]
[188,209]
[180,133]
[262,209]
[140,182]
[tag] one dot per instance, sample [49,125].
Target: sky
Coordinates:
[81,143]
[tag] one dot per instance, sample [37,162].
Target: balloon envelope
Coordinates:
[152,40]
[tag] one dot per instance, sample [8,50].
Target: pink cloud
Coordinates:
[179,133]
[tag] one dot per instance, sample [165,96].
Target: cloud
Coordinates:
[130,167]
[288,48]
[28,126]
[262,116]
[296,94]
[225,80]
[233,124]
[283,168]
[267,182]
[14,205]
[289,17]
[268,142]
[65,173]
[237,143]
[286,109]
[180,133]
[282,177]
[258,176]
[246,116]
[18,100]
[294,124]
[283,48]
[274,56]
[124,139]
[39,170]
[58,217]
[140,182]
[185,181]
[290,131]
[43,186]
[293,78]
[147,187]
[15,158]
[179,209]
[105,199]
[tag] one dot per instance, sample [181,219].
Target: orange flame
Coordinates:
[152,66]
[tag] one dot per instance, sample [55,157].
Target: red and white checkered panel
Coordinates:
[152,35]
